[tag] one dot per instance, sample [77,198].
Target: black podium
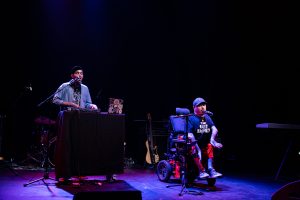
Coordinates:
[89,143]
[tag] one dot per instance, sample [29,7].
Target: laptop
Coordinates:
[115,106]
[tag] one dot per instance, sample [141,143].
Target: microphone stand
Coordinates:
[57,91]
[184,171]
[184,163]
[46,147]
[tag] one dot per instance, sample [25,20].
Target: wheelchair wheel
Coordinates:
[164,170]
[211,182]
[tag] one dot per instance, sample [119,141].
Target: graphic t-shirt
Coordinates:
[201,128]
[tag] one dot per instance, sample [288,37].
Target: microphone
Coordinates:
[29,87]
[77,79]
[209,113]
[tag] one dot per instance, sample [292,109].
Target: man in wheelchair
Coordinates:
[187,155]
[205,131]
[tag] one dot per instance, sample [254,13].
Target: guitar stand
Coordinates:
[45,165]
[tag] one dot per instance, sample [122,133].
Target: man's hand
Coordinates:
[216,144]
[93,107]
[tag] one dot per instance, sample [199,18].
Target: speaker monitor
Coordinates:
[290,191]
[108,195]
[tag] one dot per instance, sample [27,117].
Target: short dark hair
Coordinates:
[75,68]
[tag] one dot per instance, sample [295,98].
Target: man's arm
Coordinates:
[88,100]
[193,139]
[213,138]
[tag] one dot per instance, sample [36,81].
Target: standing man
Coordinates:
[74,94]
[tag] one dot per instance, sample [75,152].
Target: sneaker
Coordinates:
[203,175]
[214,174]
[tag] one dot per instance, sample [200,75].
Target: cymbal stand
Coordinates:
[184,180]
[45,164]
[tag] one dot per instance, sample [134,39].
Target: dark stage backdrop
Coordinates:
[156,55]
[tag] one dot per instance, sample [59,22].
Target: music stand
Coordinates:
[184,188]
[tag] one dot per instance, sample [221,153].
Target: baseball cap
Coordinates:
[75,68]
[198,101]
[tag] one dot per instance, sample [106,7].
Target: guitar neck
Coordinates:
[150,138]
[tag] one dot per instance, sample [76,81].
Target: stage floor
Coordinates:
[139,179]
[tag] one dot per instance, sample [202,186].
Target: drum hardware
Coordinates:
[46,149]
[45,142]
[42,142]
[45,162]
[41,120]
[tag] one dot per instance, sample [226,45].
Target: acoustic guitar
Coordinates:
[151,155]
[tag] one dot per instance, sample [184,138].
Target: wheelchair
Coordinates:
[179,162]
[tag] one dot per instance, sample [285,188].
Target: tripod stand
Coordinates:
[184,175]
[45,163]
